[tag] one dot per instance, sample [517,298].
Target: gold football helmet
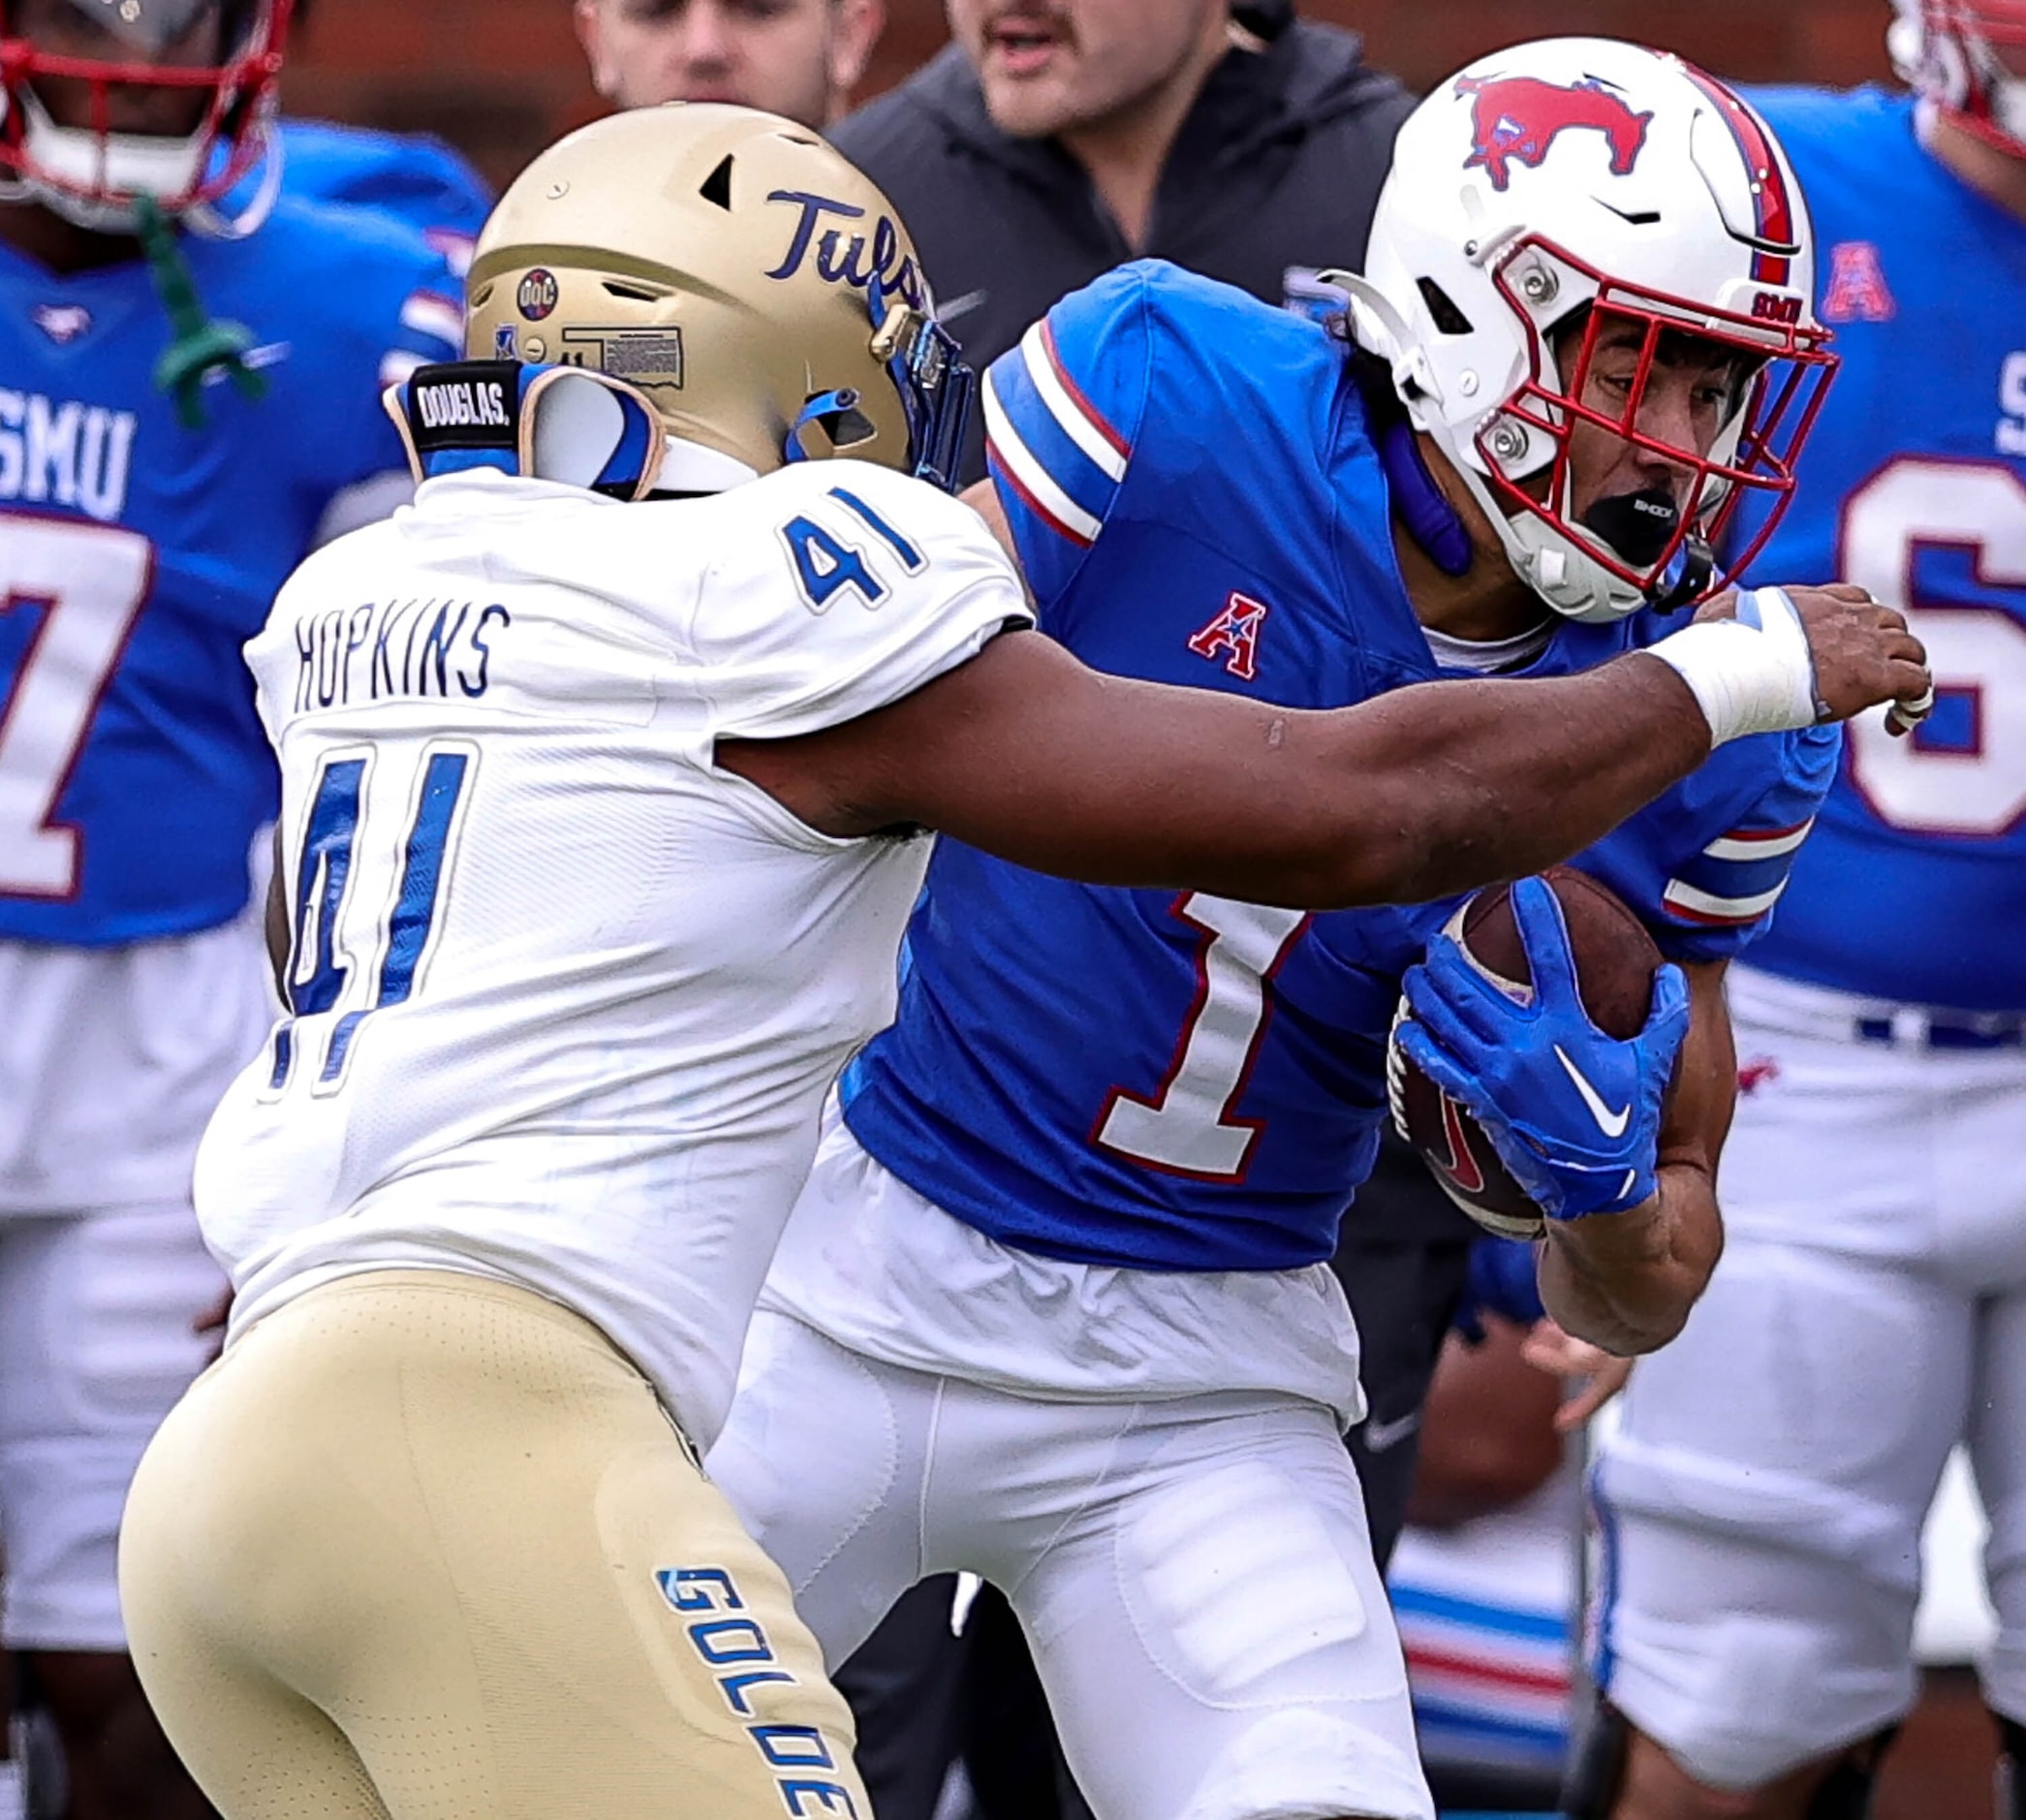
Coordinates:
[741,273]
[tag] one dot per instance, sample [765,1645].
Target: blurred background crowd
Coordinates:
[500,79]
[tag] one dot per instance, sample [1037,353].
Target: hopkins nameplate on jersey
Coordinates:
[387,650]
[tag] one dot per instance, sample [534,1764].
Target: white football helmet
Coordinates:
[95,174]
[1954,54]
[1556,189]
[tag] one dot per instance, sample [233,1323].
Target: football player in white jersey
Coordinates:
[601,819]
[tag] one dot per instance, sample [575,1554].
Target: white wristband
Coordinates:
[1754,673]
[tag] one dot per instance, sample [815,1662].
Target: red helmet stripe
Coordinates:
[1771,196]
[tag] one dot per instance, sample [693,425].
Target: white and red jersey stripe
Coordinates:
[1745,882]
[1048,443]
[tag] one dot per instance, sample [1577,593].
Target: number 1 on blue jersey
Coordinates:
[1187,1125]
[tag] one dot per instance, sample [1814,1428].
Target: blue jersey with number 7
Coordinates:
[1179,1081]
[137,554]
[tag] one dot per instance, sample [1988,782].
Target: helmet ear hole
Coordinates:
[1442,309]
[847,426]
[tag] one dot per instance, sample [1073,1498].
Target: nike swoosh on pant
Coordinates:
[1381,1435]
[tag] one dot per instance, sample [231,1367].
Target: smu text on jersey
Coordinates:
[64,452]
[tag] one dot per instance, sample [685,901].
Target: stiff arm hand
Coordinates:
[1838,650]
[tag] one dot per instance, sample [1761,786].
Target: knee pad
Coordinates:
[1597,1765]
[2012,1769]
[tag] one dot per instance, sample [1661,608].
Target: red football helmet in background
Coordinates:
[103,102]
[1968,58]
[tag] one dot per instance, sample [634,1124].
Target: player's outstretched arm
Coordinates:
[1627,1281]
[1026,753]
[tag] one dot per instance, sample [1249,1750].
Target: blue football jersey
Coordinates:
[1179,1081]
[1913,484]
[411,177]
[136,557]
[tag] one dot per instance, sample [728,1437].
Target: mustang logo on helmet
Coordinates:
[1516,120]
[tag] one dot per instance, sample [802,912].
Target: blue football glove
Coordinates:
[1502,1280]
[1573,1113]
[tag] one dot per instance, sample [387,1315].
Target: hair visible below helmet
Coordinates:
[740,273]
[96,177]
[1953,54]
[1559,190]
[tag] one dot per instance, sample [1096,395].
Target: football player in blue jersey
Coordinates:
[414,177]
[1052,1306]
[411,177]
[185,401]
[1765,1499]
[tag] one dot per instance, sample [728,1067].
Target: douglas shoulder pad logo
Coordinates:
[465,404]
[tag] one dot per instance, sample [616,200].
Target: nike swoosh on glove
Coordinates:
[1571,1112]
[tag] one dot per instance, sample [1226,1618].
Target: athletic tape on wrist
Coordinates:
[1754,673]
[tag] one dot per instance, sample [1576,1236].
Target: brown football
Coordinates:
[1616,960]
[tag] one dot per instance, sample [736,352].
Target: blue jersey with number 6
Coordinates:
[1181,1081]
[1913,887]
[137,556]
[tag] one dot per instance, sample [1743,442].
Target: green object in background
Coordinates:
[202,345]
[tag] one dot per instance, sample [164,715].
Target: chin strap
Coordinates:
[202,345]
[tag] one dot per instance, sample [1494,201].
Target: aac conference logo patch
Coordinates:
[537,296]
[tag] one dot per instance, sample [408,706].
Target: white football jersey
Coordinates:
[565,995]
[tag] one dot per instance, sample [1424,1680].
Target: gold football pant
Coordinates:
[424,1547]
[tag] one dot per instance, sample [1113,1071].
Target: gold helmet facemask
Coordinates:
[740,273]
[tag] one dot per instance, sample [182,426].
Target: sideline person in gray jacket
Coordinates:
[1056,139]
